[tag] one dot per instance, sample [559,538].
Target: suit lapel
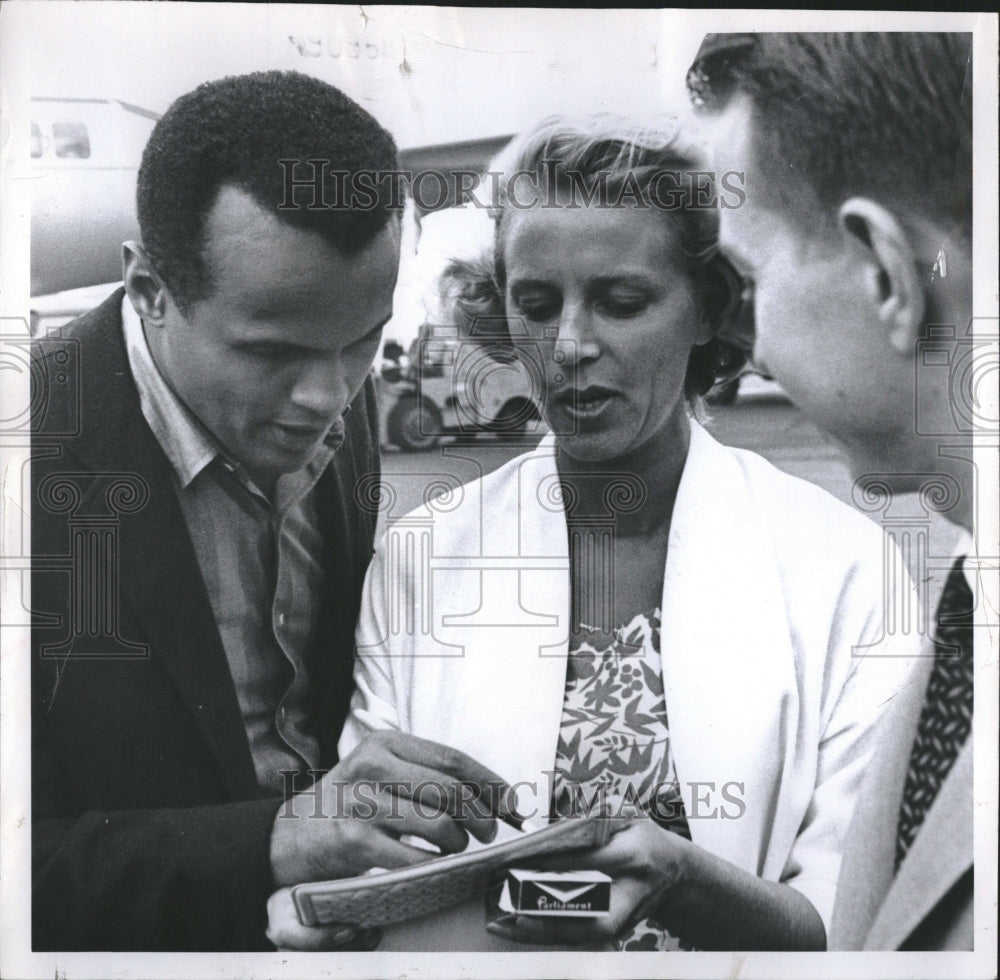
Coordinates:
[345,562]
[705,638]
[940,855]
[162,582]
[873,901]
[508,564]
[867,871]
[159,576]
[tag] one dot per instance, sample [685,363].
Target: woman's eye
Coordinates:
[536,308]
[623,305]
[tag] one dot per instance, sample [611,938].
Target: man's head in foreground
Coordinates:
[263,314]
[856,231]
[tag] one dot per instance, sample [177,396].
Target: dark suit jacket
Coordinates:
[149,828]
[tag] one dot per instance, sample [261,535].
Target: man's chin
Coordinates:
[280,462]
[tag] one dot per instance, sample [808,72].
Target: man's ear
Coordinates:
[146,290]
[895,285]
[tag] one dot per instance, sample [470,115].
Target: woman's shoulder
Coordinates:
[823,561]
[801,510]
[823,552]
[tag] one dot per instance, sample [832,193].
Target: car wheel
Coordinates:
[414,424]
[512,420]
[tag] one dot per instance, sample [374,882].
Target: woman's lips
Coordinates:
[585,403]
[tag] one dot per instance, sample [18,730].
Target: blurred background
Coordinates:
[452,85]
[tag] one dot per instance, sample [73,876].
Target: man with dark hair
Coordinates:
[210,481]
[856,236]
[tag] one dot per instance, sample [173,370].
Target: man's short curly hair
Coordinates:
[233,131]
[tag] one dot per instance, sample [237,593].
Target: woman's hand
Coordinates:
[645,862]
[700,898]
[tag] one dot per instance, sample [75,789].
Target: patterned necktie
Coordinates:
[946,717]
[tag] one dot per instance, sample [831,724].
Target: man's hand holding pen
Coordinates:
[391,786]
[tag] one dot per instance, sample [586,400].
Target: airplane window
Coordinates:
[71,140]
[36,140]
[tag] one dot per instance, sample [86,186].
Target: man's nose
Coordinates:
[320,387]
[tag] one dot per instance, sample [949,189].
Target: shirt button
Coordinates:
[281,619]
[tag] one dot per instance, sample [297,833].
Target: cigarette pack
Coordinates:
[558,893]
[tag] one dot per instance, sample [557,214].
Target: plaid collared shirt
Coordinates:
[260,561]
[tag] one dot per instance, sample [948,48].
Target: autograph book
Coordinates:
[393,896]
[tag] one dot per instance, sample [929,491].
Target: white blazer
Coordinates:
[772,596]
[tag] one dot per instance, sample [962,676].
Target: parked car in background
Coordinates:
[452,384]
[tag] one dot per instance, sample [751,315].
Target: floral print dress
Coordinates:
[614,744]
